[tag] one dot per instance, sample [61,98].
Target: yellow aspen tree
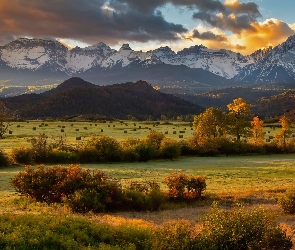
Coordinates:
[257,131]
[210,124]
[238,114]
[282,136]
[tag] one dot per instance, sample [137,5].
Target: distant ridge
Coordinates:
[76,97]
[74,82]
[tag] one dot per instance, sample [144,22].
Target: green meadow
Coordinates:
[224,175]
[22,131]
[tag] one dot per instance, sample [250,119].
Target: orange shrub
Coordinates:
[182,186]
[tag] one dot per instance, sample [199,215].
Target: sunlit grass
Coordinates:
[233,174]
[22,131]
[255,180]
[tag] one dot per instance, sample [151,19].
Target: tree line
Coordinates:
[236,124]
[216,133]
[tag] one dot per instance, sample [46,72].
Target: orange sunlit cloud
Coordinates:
[228,24]
[271,32]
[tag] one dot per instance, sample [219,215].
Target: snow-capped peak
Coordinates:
[34,54]
[125,47]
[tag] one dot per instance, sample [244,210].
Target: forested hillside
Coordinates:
[77,97]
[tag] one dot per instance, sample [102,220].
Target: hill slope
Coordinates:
[77,97]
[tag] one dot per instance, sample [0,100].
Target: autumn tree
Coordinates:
[155,138]
[284,134]
[5,119]
[257,131]
[238,115]
[210,124]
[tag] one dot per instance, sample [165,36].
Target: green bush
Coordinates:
[87,155]
[241,229]
[135,200]
[138,150]
[174,235]
[130,155]
[144,196]
[169,148]
[40,148]
[3,159]
[186,147]
[287,201]
[145,150]
[22,155]
[107,148]
[104,196]
[56,156]
[26,232]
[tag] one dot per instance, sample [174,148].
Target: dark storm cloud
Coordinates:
[89,21]
[117,21]
[208,35]
[235,17]
[207,11]
[149,6]
[227,22]
[249,8]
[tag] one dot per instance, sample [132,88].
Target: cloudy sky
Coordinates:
[240,25]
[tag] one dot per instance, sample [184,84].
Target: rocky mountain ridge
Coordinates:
[39,56]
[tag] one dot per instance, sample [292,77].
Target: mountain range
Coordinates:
[26,61]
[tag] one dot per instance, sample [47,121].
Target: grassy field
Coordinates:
[22,131]
[120,130]
[253,180]
[230,175]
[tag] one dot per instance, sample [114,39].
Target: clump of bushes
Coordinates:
[86,191]
[185,187]
[144,196]
[174,235]
[139,149]
[22,155]
[52,184]
[107,148]
[69,232]
[221,229]
[241,229]
[169,148]
[287,201]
